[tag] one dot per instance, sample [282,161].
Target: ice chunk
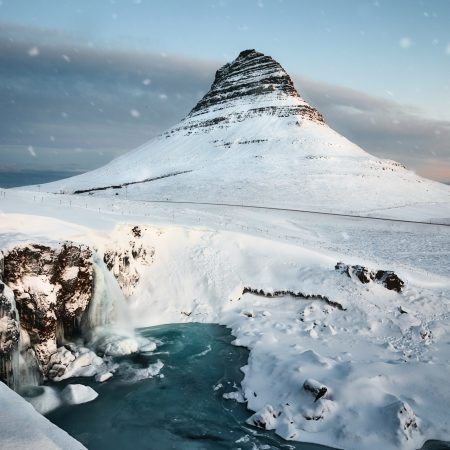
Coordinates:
[236,395]
[74,394]
[105,376]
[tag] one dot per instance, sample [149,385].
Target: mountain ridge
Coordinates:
[253,139]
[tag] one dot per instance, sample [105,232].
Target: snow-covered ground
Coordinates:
[21,427]
[350,365]
[386,371]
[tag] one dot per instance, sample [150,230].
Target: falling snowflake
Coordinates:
[405,42]
[33,51]
[146,81]
[135,113]
[65,58]
[31,151]
[447,50]
[163,96]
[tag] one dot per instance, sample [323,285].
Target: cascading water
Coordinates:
[27,366]
[107,323]
[18,366]
[108,310]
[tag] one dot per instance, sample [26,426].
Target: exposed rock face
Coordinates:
[317,389]
[124,260]
[404,419]
[252,85]
[9,330]
[52,288]
[390,280]
[299,294]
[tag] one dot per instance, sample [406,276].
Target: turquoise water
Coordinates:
[181,410]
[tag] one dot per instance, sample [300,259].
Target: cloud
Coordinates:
[90,99]
[79,107]
[383,127]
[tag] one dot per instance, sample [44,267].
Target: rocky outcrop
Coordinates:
[252,85]
[389,279]
[404,421]
[50,288]
[283,293]
[317,389]
[124,259]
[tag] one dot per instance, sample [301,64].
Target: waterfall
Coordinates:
[18,367]
[27,367]
[108,310]
[9,361]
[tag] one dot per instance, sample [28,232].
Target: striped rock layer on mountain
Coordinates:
[250,75]
[253,139]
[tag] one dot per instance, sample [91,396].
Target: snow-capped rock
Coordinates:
[389,279]
[126,253]
[51,288]
[81,362]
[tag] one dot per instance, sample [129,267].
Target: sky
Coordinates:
[83,81]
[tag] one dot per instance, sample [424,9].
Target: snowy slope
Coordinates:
[386,371]
[21,427]
[252,139]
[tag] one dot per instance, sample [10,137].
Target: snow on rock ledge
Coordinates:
[390,280]
[128,251]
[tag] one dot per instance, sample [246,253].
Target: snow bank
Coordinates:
[21,427]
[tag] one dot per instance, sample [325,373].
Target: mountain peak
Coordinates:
[253,84]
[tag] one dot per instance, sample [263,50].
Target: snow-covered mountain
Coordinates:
[253,139]
[345,319]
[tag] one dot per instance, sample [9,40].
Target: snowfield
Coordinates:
[383,356]
[332,360]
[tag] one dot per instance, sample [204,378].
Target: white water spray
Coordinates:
[107,324]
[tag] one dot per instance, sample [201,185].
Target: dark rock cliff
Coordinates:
[47,291]
[252,85]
